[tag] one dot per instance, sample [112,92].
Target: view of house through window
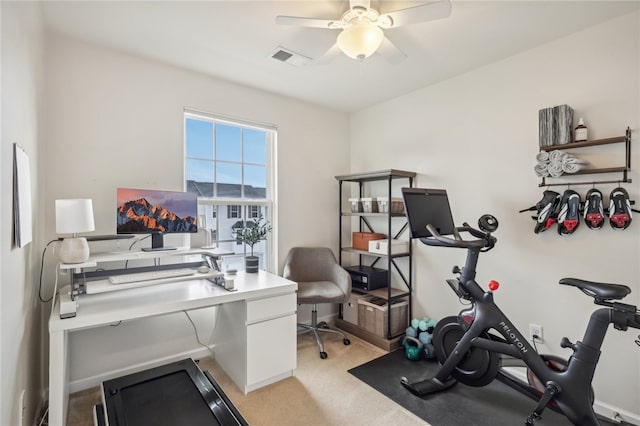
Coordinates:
[228,164]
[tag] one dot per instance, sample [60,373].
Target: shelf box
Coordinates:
[369,205]
[397,205]
[373,313]
[350,308]
[382,246]
[356,205]
[361,240]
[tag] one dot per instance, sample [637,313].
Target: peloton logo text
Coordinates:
[513,337]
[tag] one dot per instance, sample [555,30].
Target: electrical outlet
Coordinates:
[536,330]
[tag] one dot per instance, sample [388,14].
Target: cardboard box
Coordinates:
[360,240]
[373,313]
[382,246]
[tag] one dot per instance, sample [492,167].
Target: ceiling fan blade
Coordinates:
[390,52]
[412,15]
[359,3]
[306,22]
[329,55]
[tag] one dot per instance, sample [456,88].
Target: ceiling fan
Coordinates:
[362,27]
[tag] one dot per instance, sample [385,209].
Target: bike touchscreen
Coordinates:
[427,206]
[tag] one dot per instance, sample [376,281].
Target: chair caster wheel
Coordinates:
[323,355]
[346,341]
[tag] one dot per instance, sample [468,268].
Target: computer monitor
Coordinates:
[427,206]
[147,211]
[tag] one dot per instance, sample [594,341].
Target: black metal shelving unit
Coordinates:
[387,261]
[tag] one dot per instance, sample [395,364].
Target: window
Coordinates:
[233,212]
[228,163]
[254,212]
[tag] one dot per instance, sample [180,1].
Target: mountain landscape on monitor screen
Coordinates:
[137,216]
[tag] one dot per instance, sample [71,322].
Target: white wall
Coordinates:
[476,136]
[116,120]
[20,313]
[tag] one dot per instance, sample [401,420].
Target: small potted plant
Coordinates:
[252,233]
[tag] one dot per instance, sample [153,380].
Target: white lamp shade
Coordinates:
[73,216]
[360,40]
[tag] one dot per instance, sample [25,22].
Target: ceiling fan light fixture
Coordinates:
[360,40]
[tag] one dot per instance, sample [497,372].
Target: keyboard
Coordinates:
[151,275]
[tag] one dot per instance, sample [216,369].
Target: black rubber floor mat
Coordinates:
[494,405]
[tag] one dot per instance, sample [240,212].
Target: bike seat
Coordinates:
[600,291]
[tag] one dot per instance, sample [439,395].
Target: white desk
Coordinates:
[255,336]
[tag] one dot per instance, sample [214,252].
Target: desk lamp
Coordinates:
[73,216]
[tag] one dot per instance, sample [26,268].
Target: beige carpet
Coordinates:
[322,392]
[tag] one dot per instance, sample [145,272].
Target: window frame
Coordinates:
[268,203]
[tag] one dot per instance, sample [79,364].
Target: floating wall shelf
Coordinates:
[617,169]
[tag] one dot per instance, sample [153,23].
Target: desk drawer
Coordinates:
[271,307]
[271,350]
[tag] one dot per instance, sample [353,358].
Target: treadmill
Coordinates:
[174,394]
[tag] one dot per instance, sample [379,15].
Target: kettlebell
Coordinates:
[412,348]
[429,351]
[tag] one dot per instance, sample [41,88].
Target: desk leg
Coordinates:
[231,342]
[58,378]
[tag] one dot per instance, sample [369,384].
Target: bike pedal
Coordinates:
[532,419]
[551,390]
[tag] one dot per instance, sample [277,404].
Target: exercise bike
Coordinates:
[474,346]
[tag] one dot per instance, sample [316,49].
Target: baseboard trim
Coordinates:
[614,413]
[601,408]
[93,381]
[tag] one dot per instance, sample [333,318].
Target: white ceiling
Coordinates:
[234,40]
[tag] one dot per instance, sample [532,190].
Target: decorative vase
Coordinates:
[251,264]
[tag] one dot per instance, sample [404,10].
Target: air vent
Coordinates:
[281,55]
[285,55]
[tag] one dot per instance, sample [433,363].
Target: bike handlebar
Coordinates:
[484,239]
